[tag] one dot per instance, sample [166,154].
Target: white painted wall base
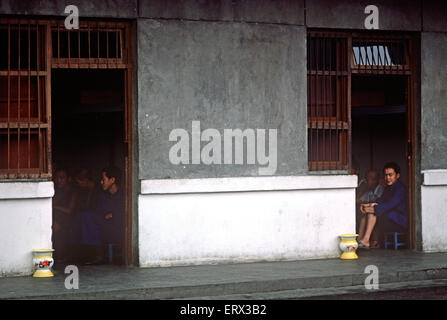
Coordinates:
[434,211]
[25,224]
[199,221]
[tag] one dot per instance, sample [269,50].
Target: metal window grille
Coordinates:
[332,59]
[328,116]
[24,99]
[29,49]
[94,45]
[380,56]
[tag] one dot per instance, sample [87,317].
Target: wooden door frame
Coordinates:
[127,67]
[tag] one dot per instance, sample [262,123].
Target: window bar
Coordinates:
[79,46]
[47,151]
[58,42]
[29,95]
[387,62]
[88,36]
[363,60]
[368,63]
[347,140]
[97,43]
[107,46]
[373,56]
[330,101]
[313,103]
[121,39]
[68,46]
[18,104]
[324,102]
[9,96]
[38,95]
[317,101]
[309,100]
[380,64]
[116,45]
[338,64]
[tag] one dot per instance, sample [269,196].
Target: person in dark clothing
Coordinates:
[390,210]
[101,223]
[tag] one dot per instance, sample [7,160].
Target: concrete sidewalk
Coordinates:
[114,282]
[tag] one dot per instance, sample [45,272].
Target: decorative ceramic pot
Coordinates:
[348,245]
[43,261]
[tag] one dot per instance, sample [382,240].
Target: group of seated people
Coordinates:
[86,214]
[381,206]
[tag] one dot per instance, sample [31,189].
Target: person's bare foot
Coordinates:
[365,243]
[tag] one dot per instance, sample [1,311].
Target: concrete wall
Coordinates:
[227,76]
[434,218]
[87,8]
[264,11]
[349,14]
[25,224]
[433,100]
[244,219]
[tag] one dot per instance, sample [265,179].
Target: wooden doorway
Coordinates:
[99,53]
[350,71]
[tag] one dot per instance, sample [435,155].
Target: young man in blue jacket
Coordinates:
[390,210]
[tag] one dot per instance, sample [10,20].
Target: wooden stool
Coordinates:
[394,239]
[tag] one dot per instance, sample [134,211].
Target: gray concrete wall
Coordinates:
[349,14]
[227,76]
[434,15]
[267,11]
[87,8]
[433,100]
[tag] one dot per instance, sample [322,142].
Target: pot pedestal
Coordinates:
[42,262]
[348,245]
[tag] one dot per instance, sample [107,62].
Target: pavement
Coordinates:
[302,279]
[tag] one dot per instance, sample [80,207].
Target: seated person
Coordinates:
[390,210]
[101,222]
[63,205]
[371,188]
[84,189]
[369,191]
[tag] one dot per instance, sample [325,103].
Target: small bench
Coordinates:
[114,253]
[394,236]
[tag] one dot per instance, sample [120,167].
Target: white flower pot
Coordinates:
[43,261]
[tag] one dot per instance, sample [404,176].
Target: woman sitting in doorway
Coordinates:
[390,210]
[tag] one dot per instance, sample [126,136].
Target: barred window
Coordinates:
[24,100]
[327,102]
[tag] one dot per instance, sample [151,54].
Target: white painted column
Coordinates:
[434,211]
[25,224]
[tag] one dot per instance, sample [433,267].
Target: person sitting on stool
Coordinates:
[390,210]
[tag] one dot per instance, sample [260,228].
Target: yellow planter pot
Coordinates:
[348,245]
[43,261]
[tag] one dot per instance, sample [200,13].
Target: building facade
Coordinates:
[309,84]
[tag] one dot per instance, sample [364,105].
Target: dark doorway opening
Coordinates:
[88,114]
[379,114]
[379,122]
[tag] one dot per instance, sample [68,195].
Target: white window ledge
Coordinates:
[26,190]
[436,177]
[238,184]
